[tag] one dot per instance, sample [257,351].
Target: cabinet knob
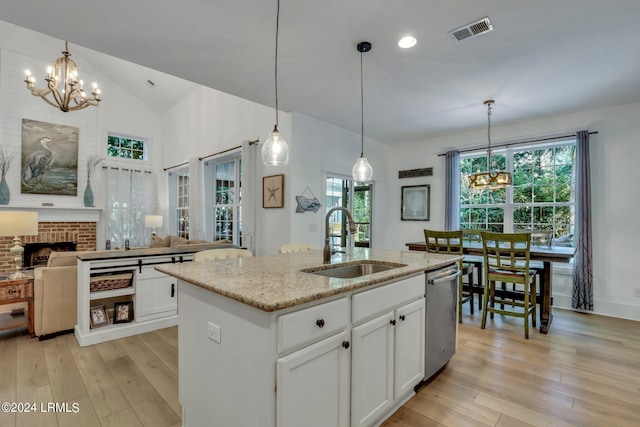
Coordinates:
[392,322]
[320,323]
[402,317]
[345,344]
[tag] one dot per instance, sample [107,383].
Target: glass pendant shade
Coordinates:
[362,170]
[275,151]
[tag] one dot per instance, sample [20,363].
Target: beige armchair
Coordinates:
[55,294]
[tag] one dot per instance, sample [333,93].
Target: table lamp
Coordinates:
[18,223]
[153,221]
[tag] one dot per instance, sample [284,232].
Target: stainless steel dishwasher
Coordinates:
[441,327]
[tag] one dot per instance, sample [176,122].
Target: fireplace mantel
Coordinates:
[60,213]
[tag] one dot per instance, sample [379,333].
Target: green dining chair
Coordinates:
[506,260]
[474,236]
[450,242]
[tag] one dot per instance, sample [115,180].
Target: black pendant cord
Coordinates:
[276,59]
[361,109]
[489,135]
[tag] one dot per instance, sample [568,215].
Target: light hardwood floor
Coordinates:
[586,372]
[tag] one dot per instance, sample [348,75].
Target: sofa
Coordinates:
[55,294]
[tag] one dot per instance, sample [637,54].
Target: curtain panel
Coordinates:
[452,191]
[250,191]
[582,298]
[132,195]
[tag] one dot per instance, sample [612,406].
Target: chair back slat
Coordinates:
[538,237]
[443,242]
[507,251]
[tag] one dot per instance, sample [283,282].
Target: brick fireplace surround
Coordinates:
[83,233]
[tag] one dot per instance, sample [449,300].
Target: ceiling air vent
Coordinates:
[472,30]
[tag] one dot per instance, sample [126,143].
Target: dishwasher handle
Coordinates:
[445,278]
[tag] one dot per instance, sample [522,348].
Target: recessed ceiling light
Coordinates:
[407,42]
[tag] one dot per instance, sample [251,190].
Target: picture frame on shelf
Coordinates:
[273,191]
[415,203]
[98,316]
[123,312]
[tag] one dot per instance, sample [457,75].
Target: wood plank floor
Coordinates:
[586,372]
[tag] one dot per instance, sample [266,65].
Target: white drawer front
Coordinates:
[312,324]
[370,303]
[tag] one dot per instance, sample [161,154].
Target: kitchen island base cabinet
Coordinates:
[295,367]
[388,351]
[313,385]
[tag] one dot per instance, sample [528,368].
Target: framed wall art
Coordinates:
[49,158]
[415,203]
[273,191]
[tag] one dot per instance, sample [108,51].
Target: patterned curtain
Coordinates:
[452,191]
[132,195]
[582,271]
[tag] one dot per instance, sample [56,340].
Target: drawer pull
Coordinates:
[320,323]
[392,322]
[402,317]
[345,344]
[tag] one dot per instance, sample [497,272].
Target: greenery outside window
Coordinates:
[126,147]
[227,204]
[182,210]
[542,196]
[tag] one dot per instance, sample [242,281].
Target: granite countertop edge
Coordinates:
[275,282]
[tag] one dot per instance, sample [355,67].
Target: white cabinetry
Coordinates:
[153,293]
[313,382]
[388,351]
[313,385]
[310,365]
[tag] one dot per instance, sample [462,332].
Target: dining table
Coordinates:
[545,254]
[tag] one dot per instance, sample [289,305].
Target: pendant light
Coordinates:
[488,179]
[362,170]
[275,151]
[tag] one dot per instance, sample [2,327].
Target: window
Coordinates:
[182,206]
[358,198]
[126,148]
[542,196]
[226,214]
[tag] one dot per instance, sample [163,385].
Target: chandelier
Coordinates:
[362,170]
[490,180]
[64,90]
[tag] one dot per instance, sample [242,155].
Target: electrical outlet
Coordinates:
[636,291]
[213,331]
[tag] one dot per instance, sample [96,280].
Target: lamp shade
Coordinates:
[153,220]
[18,223]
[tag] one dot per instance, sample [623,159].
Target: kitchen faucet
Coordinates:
[352,229]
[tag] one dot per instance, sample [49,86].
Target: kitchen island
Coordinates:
[262,343]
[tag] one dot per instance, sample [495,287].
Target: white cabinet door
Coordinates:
[409,347]
[372,369]
[312,386]
[156,297]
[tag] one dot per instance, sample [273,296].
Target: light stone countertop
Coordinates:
[274,282]
[149,252]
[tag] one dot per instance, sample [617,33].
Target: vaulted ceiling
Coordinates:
[544,57]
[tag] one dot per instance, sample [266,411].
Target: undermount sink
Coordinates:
[350,271]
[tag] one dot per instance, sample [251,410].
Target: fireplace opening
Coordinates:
[37,254]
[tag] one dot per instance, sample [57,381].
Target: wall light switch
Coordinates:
[213,331]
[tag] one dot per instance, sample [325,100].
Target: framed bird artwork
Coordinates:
[273,191]
[49,158]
